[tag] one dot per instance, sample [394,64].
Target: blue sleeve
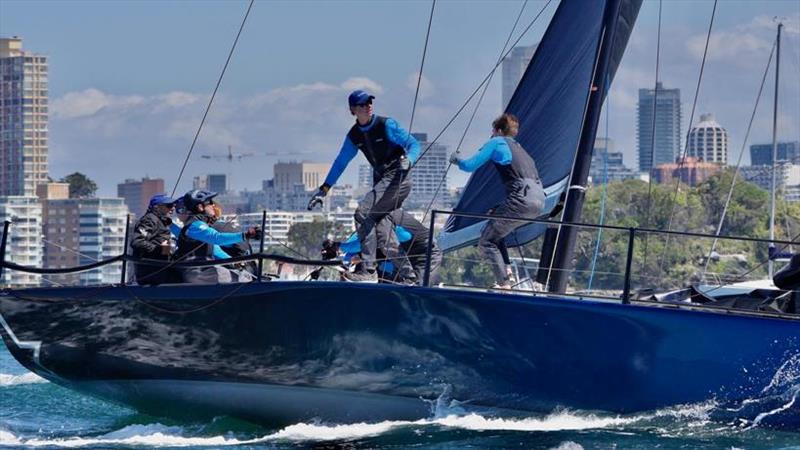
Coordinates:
[495,149]
[202,232]
[346,154]
[403,138]
[351,245]
[219,253]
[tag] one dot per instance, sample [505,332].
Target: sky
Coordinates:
[129,80]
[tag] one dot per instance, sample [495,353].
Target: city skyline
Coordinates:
[123,108]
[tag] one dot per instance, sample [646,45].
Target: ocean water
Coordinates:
[37,414]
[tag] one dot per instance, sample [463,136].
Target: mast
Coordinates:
[770,264]
[576,191]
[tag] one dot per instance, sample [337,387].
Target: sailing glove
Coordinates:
[405,163]
[454,159]
[317,198]
[252,233]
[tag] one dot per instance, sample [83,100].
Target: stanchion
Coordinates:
[261,246]
[123,278]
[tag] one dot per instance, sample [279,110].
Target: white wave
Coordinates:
[568,445]
[558,421]
[26,378]
[311,432]
[7,438]
[158,435]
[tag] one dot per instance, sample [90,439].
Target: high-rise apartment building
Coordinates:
[514,66]
[708,141]
[428,177]
[137,193]
[215,182]
[761,154]
[23,119]
[311,175]
[364,176]
[24,242]
[607,164]
[666,123]
[82,231]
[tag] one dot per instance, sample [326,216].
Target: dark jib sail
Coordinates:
[550,102]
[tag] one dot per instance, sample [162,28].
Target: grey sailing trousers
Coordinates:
[387,195]
[526,200]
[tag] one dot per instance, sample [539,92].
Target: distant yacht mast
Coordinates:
[774,151]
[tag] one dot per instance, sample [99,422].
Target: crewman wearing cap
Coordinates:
[151,240]
[390,150]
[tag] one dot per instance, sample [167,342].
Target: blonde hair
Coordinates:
[507,124]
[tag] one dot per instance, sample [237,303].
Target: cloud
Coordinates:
[151,134]
[362,83]
[740,43]
[426,88]
[89,102]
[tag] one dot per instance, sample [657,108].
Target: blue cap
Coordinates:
[359,97]
[161,199]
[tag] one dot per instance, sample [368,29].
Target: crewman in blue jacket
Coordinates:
[524,192]
[391,151]
[198,240]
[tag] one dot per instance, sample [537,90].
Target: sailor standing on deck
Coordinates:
[524,192]
[391,151]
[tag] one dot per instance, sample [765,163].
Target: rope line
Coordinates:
[421,66]
[739,160]
[211,100]
[688,133]
[653,136]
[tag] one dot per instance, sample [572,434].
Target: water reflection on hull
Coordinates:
[281,352]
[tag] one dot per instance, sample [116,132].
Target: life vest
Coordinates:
[189,248]
[522,168]
[374,143]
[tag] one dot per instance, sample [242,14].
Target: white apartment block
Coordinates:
[23,119]
[708,141]
[101,235]
[24,241]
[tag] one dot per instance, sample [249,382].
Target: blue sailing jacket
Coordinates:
[394,133]
[495,149]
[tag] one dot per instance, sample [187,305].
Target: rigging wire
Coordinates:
[475,111]
[211,100]
[480,85]
[686,144]
[421,66]
[605,193]
[411,124]
[652,137]
[739,160]
[485,85]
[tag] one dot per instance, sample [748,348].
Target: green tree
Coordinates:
[80,186]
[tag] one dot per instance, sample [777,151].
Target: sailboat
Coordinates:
[276,352]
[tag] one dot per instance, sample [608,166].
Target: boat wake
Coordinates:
[26,378]
[160,435]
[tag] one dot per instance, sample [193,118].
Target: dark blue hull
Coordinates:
[279,352]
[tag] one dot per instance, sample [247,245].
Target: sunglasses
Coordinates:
[364,104]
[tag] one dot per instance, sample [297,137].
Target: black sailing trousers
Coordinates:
[526,200]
